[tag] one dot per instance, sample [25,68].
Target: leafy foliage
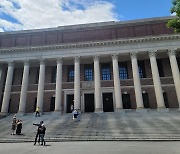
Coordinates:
[175,23]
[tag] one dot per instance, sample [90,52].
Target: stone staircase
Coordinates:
[109,126]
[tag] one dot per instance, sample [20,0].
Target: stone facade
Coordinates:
[35,67]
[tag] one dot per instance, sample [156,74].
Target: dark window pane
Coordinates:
[160,68]
[88,73]
[178,61]
[106,73]
[37,76]
[53,77]
[141,66]
[71,74]
[123,71]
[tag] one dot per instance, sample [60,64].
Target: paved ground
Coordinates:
[106,147]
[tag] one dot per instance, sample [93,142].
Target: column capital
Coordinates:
[26,62]
[42,61]
[133,55]
[59,60]
[152,53]
[114,56]
[172,52]
[96,57]
[10,63]
[76,58]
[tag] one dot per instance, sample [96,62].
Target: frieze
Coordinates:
[93,44]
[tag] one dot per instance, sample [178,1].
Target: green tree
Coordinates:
[175,23]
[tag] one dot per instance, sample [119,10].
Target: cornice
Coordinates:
[92,44]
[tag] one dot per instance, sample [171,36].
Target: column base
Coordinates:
[163,109]
[120,110]
[98,111]
[57,113]
[4,113]
[141,110]
[20,114]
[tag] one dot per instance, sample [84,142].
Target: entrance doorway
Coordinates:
[70,101]
[146,100]
[89,102]
[108,102]
[126,101]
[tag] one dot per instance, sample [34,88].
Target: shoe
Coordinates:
[34,143]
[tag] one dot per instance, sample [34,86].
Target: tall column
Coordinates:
[97,84]
[58,86]
[156,80]
[24,88]
[77,83]
[40,94]
[137,84]
[175,72]
[7,90]
[2,74]
[117,88]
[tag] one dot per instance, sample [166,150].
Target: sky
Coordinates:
[36,14]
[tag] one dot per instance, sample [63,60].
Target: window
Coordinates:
[160,68]
[88,72]
[13,80]
[106,73]
[123,71]
[53,76]
[37,75]
[71,74]
[141,67]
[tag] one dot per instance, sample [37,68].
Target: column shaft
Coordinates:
[97,84]
[156,80]
[77,102]
[117,88]
[137,83]
[40,94]
[24,88]
[175,73]
[58,86]
[7,90]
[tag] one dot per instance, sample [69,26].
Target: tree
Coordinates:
[175,23]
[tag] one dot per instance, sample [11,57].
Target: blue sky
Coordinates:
[35,14]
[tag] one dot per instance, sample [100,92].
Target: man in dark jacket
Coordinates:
[38,132]
[42,134]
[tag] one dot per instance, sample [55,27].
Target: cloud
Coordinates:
[1,30]
[33,14]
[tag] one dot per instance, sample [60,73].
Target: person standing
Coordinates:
[14,125]
[38,132]
[42,134]
[19,127]
[37,112]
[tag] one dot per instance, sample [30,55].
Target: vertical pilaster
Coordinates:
[40,94]
[137,83]
[7,90]
[117,88]
[175,72]
[58,85]
[97,84]
[77,101]
[24,88]
[156,80]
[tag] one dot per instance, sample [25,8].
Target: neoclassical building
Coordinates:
[98,67]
